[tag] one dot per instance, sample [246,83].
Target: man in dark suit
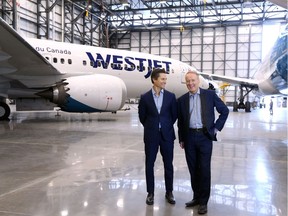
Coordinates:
[158,112]
[197,129]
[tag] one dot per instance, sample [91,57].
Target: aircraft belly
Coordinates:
[273,85]
[277,81]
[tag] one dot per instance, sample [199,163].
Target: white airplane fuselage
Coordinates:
[132,67]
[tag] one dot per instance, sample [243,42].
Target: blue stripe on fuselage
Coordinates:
[128,63]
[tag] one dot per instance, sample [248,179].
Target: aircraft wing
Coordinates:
[232,80]
[19,60]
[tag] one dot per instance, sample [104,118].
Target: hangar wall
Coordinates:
[54,20]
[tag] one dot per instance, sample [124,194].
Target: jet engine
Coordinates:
[90,93]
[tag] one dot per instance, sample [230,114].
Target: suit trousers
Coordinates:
[166,150]
[198,152]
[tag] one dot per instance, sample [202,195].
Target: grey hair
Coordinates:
[192,71]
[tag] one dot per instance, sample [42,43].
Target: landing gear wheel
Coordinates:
[247,106]
[4,111]
[235,106]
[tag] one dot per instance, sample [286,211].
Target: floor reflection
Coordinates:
[84,165]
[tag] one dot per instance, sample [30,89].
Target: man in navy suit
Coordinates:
[158,112]
[197,129]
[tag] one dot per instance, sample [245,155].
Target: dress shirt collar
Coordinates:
[154,92]
[198,92]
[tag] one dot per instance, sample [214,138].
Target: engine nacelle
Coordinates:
[91,93]
[203,82]
[208,84]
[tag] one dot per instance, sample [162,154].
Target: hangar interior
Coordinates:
[77,164]
[215,36]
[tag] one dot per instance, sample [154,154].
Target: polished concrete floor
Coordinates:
[93,165]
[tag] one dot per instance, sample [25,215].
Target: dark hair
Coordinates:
[155,73]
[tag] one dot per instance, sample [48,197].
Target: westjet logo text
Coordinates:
[128,63]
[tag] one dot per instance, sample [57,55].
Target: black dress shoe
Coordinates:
[150,199]
[192,203]
[202,209]
[170,198]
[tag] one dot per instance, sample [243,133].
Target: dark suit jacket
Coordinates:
[209,101]
[150,118]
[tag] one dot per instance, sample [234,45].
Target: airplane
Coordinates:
[44,74]
[269,79]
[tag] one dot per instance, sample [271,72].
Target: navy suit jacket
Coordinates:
[150,118]
[209,101]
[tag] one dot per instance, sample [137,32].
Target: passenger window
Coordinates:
[84,62]
[62,61]
[69,61]
[55,60]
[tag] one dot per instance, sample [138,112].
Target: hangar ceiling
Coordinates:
[82,19]
[168,14]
